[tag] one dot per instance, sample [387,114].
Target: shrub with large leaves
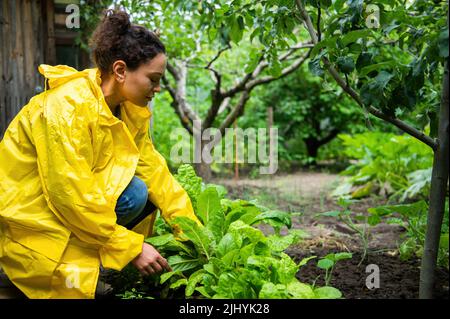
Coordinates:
[397,165]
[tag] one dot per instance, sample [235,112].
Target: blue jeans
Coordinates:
[133,205]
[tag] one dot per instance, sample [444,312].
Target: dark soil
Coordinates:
[398,279]
[308,192]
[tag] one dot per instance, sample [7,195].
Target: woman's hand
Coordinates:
[150,262]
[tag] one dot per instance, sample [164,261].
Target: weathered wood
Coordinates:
[7,49]
[18,73]
[29,47]
[2,79]
[51,50]
[22,37]
[37,24]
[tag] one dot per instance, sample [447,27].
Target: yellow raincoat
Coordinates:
[64,161]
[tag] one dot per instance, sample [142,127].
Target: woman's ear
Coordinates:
[119,68]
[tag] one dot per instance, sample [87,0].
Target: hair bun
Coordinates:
[117,21]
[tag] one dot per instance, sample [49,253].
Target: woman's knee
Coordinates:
[140,193]
[134,197]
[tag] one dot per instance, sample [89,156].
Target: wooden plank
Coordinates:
[36,14]
[2,79]
[17,60]
[29,48]
[6,30]
[51,50]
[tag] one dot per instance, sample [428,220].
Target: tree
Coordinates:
[191,49]
[382,96]
[390,58]
[310,111]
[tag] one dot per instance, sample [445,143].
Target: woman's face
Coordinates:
[139,86]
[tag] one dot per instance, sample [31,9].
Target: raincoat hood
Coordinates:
[65,160]
[60,74]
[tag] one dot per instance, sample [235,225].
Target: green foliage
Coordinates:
[191,183]
[133,294]
[359,223]
[396,165]
[308,114]
[413,217]
[328,263]
[89,18]
[389,61]
[227,256]
[391,52]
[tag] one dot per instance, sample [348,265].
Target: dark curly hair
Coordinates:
[116,38]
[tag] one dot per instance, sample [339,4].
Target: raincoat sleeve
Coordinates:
[163,189]
[74,195]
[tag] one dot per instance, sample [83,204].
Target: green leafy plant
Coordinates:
[328,262]
[346,216]
[228,256]
[413,217]
[397,165]
[133,294]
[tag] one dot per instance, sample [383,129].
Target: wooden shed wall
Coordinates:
[23,47]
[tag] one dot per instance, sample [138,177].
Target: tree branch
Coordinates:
[177,106]
[372,110]
[217,56]
[286,71]
[182,108]
[329,137]
[241,85]
[237,111]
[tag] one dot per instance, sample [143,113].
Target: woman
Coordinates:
[76,179]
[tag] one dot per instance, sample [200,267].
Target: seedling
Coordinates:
[329,261]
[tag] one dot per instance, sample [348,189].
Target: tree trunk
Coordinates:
[204,171]
[438,193]
[312,147]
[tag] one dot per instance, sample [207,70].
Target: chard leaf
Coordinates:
[246,252]
[203,292]
[407,210]
[261,263]
[261,249]
[208,202]
[200,236]
[327,293]
[210,269]
[298,290]
[221,190]
[280,243]
[230,257]
[167,243]
[193,280]
[166,276]
[285,268]
[246,231]
[233,215]
[211,212]
[273,291]
[180,263]
[241,210]
[159,241]
[229,286]
[229,242]
[274,215]
[178,283]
